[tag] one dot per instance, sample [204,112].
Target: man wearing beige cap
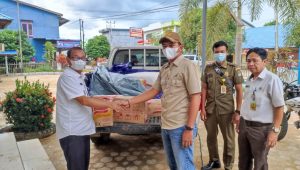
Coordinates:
[179,80]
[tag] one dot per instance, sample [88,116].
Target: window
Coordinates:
[121,57]
[27,27]
[152,58]
[137,58]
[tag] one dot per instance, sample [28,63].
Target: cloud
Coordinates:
[95,13]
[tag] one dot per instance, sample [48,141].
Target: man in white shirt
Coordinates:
[261,112]
[74,119]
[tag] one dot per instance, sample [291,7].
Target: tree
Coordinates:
[293,23]
[270,23]
[11,42]
[285,8]
[190,28]
[49,52]
[98,46]
[220,24]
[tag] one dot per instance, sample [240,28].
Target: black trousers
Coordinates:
[77,151]
[252,145]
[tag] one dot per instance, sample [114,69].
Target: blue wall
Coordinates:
[45,24]
[264,37]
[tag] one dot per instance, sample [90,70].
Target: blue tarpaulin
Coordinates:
[103,82]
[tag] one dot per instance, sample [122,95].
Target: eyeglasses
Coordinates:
[76,58]
[254,61]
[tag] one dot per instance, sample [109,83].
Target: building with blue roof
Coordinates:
[38,23]
[264,37]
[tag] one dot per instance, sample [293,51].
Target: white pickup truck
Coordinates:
[142,62]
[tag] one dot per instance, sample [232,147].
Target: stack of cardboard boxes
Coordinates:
[141,113]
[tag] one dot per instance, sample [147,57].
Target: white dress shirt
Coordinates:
[72,118]
[268,91]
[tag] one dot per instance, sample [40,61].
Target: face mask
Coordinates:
[220,57]
[78,65]
[170,53]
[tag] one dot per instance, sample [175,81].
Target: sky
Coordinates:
[98,14]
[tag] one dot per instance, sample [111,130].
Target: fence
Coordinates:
[27,67]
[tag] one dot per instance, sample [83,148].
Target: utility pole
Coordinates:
[82,34]
[20,38]
[109,25]
[204,11]
[276,32]
[239,35]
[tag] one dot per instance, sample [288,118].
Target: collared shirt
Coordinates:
[72,118]
[177,81]
[268,92]
[217,102]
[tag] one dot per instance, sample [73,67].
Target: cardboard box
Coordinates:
[153,108]
[134,108]
[135,114]
[130,118]
[103,117]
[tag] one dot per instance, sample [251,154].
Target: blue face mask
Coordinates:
[220,57]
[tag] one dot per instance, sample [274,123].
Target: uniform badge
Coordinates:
[223,89]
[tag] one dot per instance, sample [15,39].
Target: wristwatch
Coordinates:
[188,127]
[275,129]
[237,111]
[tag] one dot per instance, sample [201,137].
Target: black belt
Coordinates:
[256,124]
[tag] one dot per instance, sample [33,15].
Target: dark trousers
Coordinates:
[77,151]
[252,141]
[228,133]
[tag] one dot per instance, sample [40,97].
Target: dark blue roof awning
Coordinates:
[8,53]
[4,20]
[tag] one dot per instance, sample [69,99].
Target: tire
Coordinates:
[284,127]
[104,138]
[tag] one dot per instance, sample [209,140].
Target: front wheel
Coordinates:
[284,126]
[104,138]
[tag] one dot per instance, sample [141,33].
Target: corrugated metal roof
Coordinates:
[264,37]
[4,17]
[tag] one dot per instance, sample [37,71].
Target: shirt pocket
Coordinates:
[247,92]
[259,98]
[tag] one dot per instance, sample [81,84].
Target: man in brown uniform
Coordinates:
[218,84]
[179,80]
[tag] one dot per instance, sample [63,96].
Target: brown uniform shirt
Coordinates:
[216,102]
[177,81]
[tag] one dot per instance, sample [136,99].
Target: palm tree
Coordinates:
[285,8]
[219,22]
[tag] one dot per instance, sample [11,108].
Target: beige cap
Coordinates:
[171,36]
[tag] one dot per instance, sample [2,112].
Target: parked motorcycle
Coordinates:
[292,101]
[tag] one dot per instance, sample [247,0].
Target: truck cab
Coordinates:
[126,60]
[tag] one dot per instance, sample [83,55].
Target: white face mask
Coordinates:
[78,65]
[170,53]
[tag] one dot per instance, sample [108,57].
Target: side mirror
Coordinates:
[129,65]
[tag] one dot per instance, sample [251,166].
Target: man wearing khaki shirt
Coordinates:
[179,80]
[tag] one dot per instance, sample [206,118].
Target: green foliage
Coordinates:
[49,51]
[11,42]
[29,107]
[294,27]
[270,23]
[98,46]
[293,35]
[40,68]
[220,26]
[190,28]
